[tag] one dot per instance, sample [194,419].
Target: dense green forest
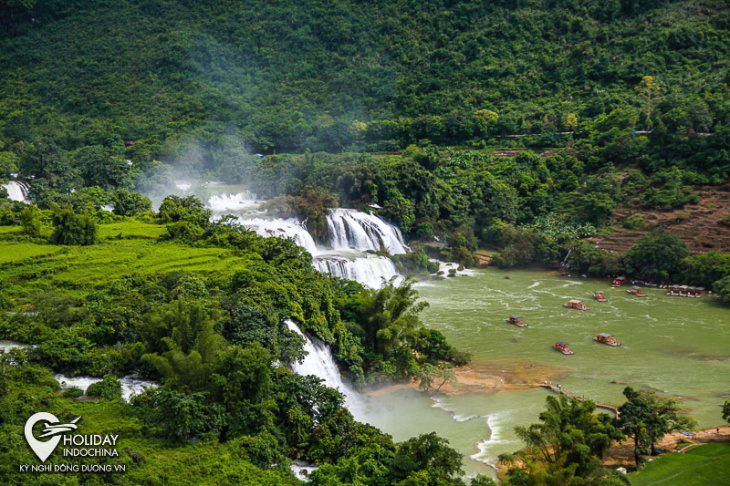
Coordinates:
[287,76]
[524,127]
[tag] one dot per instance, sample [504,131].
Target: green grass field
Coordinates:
[124,248]
[704,465]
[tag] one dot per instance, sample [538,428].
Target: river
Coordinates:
[677,346]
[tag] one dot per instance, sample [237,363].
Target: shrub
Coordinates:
[73,229]
[73,392]
[107,389]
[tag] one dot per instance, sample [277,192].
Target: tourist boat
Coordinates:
[600,297]
[575,304]
[636,291]
[516,320]
[606,339]
[618,281]
[685,291]
[562,346]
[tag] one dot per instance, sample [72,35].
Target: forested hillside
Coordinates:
[285,76]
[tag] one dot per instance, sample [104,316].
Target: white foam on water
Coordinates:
[534,285]
[484,453]
[241,201]
[6,346]
[183,185]
[302,469]
[131,386]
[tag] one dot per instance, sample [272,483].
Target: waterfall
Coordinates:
[369,270]
[320,363]
[354,230]
[17,191]
[351,234]
[283,228]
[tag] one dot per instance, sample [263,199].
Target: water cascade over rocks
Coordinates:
[369,270]
[17,191]
[320,363]
[348,252]
[350,229]
[130,385]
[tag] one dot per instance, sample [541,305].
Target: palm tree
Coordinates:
[391,314]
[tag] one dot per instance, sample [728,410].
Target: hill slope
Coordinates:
[288,75]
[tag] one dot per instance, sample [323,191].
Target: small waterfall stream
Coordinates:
[17,191]
[130,385]
[320,363]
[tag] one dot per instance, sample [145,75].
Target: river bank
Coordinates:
[487,378]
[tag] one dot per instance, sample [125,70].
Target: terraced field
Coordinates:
[125,248]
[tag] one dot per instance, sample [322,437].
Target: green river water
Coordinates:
[677,346]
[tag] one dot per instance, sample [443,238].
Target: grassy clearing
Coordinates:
[699,466]
[12,252]
[131,229]
[43,266]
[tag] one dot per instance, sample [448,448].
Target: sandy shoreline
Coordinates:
[487,378]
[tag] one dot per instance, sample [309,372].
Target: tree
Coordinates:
[30,219]
[73,229]
[647,417]
[567,445]
[485,120]
[726,411]
[705,269]
[130,203]
[184,342]
[107,389]
[570,122]
[649,97]
[722,288]
[657,256]
[432,377]
[391,314]
[427,453]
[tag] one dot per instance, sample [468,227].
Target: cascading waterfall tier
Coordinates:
[354,230]
[351,235]
[17,191]
[282,228]
[320,363]
[369,270]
